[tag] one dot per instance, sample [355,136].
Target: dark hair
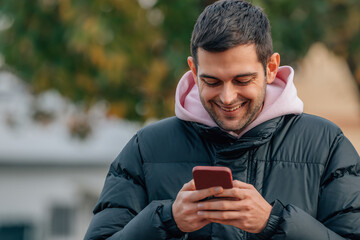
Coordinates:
[228,23]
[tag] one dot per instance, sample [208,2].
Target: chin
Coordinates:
[232,128]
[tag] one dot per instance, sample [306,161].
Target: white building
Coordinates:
[50,178]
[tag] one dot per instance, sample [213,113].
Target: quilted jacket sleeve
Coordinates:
[123,211]
[338,214]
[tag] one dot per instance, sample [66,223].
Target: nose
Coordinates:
[228,94]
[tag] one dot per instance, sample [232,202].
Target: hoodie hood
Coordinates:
[280,99]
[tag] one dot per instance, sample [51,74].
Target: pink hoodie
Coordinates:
[281,99]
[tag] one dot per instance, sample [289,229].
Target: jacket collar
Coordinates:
[257,136]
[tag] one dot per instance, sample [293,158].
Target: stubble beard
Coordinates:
[250,115]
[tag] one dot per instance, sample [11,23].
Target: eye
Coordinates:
[211,82]
[243,82]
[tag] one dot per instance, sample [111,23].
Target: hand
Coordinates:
[185,207]
[248,210]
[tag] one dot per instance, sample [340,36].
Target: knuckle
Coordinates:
[180,198]
[185,197]
[246,225]
[247,195]
[247,220]
[235,191]
[247,207]
[213,191]
[238,193]
[237,183]
[187,210]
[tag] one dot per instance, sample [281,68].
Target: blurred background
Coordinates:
[79,78]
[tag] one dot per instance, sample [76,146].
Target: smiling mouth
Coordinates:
[232,109]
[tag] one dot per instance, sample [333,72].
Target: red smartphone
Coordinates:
[212,176]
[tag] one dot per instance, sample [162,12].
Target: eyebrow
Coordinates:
[237,76]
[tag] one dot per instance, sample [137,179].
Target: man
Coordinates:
[296,176]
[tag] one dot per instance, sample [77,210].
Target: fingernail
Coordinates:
[200,213]
[218,189]
[200,205]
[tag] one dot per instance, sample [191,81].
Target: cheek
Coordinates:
[208,94]
[252,92]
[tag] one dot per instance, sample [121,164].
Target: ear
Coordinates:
[272,67]
[192,66]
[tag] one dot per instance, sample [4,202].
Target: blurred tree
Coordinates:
[132,53]
[129,53]
[297,24]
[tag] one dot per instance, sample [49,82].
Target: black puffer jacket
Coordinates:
[301,164]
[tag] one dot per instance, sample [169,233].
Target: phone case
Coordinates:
[212,176]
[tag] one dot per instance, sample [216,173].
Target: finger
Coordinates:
[234,193]
[242,185]
[218,205]
[226,205]
[219,215]
[204,193]
[197,195]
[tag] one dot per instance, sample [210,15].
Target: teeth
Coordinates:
[231,109]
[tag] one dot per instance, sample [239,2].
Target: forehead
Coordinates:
[234,61]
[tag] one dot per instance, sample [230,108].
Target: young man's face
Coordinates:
[232,85]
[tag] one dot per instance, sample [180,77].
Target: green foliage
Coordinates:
[132,54]
[297,24]
[102,49]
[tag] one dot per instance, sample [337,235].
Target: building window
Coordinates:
[16,232]
[62,218]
